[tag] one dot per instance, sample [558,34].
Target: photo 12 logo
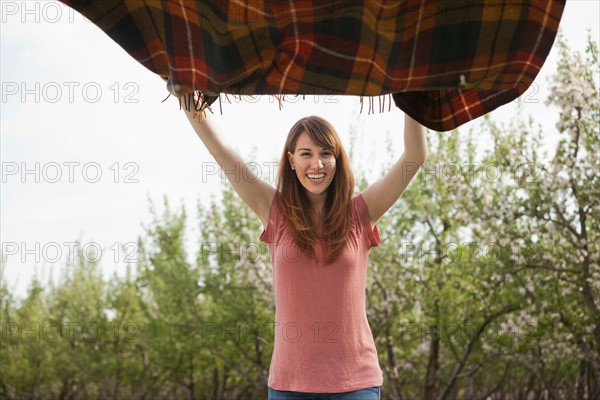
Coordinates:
[291,331]
[471,171]
[250,171]
[37,11]
[72,331]
[54,12]
[71,92]
[53,252]
[68,171]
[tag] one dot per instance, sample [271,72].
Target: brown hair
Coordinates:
[293,200]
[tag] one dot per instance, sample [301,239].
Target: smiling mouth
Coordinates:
[316,177]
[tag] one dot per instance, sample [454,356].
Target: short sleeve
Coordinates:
[364,221]
[268,233]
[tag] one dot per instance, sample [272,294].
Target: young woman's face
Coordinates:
[314,165]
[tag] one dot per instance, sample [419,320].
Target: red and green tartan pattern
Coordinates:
[445,62]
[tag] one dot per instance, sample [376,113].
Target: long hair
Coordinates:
[295,204]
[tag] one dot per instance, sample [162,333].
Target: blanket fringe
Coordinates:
[381,100]
[199,101]
[202,102]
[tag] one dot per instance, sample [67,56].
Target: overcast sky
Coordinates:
[89,124]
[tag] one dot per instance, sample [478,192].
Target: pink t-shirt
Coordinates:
[323,341]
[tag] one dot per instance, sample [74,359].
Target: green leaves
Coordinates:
[486,283]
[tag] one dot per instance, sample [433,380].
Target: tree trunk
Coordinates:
[433,365]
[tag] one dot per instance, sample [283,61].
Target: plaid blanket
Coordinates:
[444,62]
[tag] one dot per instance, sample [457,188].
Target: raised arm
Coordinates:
[255,192]
[382,194]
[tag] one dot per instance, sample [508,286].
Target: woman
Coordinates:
[319,236]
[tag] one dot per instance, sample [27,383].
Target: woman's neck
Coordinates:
[317,202]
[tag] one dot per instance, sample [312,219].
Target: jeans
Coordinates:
[371,393]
